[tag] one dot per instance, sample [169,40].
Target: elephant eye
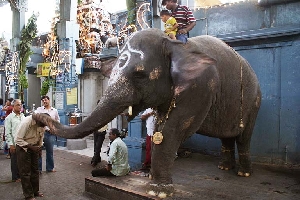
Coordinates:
[139,74]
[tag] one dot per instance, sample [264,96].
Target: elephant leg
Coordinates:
[228,154]
[243,146]
[162,160]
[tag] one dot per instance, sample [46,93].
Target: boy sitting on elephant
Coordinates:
[171,24]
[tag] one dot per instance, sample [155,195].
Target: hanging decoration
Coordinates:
[27,35]
[11,71]
[98,32]
[94,28]
[3,51]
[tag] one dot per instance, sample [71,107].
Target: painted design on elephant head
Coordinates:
[140,68]
[187,123]
[123,61]
[155,73]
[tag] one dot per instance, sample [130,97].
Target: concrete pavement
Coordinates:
[195,177]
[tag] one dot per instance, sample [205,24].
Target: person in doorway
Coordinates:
[184,17]
[29,141]
[2,118]
[49,139]
[12,122]
[170,24]
[148,116]
[7,108]
[117,157]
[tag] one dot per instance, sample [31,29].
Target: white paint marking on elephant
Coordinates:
[152,193]
[117,71]
[162,195]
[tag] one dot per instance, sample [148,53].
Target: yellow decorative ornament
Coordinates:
[157,138]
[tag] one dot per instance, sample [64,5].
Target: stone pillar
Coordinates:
[91,86]
[67,28]
[18,23]
[68,32]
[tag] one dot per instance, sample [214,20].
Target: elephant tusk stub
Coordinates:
[130,110]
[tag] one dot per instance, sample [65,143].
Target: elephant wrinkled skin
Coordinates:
[203,86]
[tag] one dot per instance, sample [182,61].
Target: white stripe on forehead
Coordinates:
[117,71]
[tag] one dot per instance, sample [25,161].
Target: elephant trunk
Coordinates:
[106,111]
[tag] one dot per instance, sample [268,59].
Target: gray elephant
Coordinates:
[203,86]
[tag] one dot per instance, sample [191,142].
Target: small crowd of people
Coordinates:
[22,142]
[24,139]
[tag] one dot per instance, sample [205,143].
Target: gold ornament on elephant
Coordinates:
[157,138]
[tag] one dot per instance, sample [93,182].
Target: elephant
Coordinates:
[203,86]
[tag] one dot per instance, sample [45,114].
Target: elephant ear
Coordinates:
[106,66]
[188,63]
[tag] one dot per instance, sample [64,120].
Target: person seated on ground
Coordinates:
[117,157]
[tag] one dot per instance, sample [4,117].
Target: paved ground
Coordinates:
[196,177]
[67,183]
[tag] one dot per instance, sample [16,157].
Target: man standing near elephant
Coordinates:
[150,125]
[29,141]
[12,122]
[184,17]
[49,139]
[117,157]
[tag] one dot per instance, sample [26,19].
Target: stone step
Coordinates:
[130,187]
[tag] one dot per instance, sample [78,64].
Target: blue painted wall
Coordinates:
[135,142]
[269,38]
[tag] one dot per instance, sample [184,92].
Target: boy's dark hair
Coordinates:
[164,2]
[165,12]
[1,101]
[115,132]
[45,97]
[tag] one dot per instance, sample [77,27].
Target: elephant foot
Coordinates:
[160,190]
[245,169]
[225,165]
[228,157]
[245,172]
